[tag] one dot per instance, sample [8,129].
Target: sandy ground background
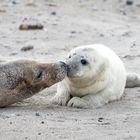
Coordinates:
[69,23]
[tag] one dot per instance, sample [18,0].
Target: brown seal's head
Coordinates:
[44,74]
[32,73]
[24,78]
[48,73]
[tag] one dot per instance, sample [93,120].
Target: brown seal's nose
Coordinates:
[63,64]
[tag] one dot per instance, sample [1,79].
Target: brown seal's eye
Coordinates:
[84,62]
[39,75]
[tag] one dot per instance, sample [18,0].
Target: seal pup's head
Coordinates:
[84,64]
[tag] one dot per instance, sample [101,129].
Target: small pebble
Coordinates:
[100,119]
[2,11]
[129,2]
[31,27]
[14,2]
[73,32]
[101,35]
[27,48]
[39,133]
[133,45]
[37,114]
[13,53]
[53,13]
[42,122]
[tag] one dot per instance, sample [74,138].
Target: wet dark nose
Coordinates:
[63,64]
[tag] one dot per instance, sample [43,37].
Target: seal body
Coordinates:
[96,76]
[23,78]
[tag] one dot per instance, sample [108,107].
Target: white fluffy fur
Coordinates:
[92,85]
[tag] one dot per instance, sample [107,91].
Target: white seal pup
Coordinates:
[96,76]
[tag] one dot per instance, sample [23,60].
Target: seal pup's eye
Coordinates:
[84,62]
[69,56]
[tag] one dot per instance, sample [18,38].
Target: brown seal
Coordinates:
[23,78]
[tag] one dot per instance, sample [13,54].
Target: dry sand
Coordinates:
[69,23]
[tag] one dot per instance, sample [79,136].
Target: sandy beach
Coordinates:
[68,24]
